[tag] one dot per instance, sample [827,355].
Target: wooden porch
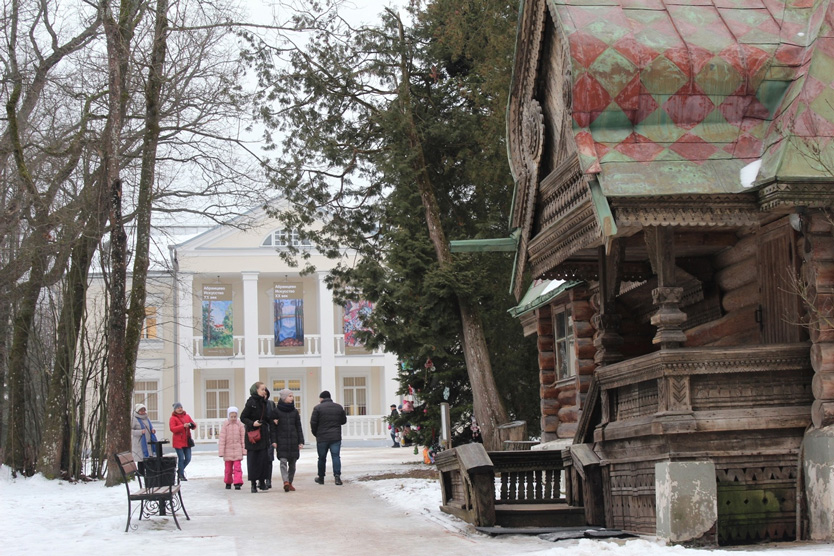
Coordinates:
[514,488]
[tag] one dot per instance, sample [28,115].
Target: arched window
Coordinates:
[285,238]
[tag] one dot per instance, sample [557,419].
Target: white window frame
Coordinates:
[217,375]
[368,390]
[150,370]
[154,390]
[157,327]
[284,238]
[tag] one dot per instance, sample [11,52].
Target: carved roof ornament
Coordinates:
[532,133]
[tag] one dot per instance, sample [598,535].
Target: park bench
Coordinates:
[152,500]
[511,488]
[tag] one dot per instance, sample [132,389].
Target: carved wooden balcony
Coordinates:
[697,390]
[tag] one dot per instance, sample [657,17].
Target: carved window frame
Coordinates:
[563,342]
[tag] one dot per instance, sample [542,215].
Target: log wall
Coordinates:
[562,402]
[547,375]
[818,273]
[736,276]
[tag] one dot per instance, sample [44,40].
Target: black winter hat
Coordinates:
[325,395]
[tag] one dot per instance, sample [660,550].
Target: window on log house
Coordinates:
[563,336]
[778,267]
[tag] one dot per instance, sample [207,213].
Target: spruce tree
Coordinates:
[395,136]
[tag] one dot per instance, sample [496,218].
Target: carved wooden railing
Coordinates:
[467,484]
[473,481]
[528,477]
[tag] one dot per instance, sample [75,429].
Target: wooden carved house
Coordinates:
[674,161]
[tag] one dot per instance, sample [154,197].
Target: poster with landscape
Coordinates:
[218,339]
[288,312]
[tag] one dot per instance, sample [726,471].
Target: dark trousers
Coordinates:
[334,448]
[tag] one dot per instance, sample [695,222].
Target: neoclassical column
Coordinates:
[184,321]
[251,359]
[327,328]
[389,378]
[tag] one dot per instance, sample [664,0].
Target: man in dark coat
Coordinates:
[326,424]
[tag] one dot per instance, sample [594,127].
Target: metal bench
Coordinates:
[151,500]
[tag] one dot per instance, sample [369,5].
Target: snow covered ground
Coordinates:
[389,515]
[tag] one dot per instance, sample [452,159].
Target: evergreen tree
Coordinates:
[396,136]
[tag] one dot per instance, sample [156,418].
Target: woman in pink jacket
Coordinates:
[181,424]
[231,448]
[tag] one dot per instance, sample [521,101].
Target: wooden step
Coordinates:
[539,515]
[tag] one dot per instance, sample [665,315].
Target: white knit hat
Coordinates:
[232,409]
[139,406]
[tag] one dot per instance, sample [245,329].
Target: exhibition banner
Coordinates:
[356,315]
[218,339]
[288,312]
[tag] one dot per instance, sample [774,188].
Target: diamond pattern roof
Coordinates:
[676,96]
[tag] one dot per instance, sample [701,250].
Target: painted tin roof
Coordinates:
[541,292]
[679,96]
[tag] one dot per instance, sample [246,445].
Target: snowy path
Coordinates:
[391,516]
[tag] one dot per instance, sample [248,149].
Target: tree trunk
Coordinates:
[150,141]
[119,380]
[58,425]
[487,404]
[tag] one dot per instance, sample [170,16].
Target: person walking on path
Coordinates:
[231,447]
[143,434]
[180,425]
[326,424]
[287,436]
[392,425]
[254,417]
[270,410]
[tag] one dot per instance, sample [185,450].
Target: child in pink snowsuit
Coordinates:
[230,447]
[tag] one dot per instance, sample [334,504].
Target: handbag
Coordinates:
[190,442]
[254,436]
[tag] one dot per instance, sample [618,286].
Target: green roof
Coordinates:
[541,293]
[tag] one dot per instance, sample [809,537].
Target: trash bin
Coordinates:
[160,471]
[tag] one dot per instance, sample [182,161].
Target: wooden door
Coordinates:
[778,268]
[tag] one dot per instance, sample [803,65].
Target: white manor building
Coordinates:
[232,312]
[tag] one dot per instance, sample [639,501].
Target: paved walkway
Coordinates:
[327,519]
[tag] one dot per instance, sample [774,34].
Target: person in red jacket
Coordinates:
[181,425]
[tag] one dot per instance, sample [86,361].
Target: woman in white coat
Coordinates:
[143,434]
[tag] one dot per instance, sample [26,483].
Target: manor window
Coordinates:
[286,238]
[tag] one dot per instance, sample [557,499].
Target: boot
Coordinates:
[229,487]
[237,487]
[268,484]
[338,480]
[319,480]
[262,485]
[286,486]
[254,487]
[291,488]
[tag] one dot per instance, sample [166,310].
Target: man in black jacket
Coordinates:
[326,424]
